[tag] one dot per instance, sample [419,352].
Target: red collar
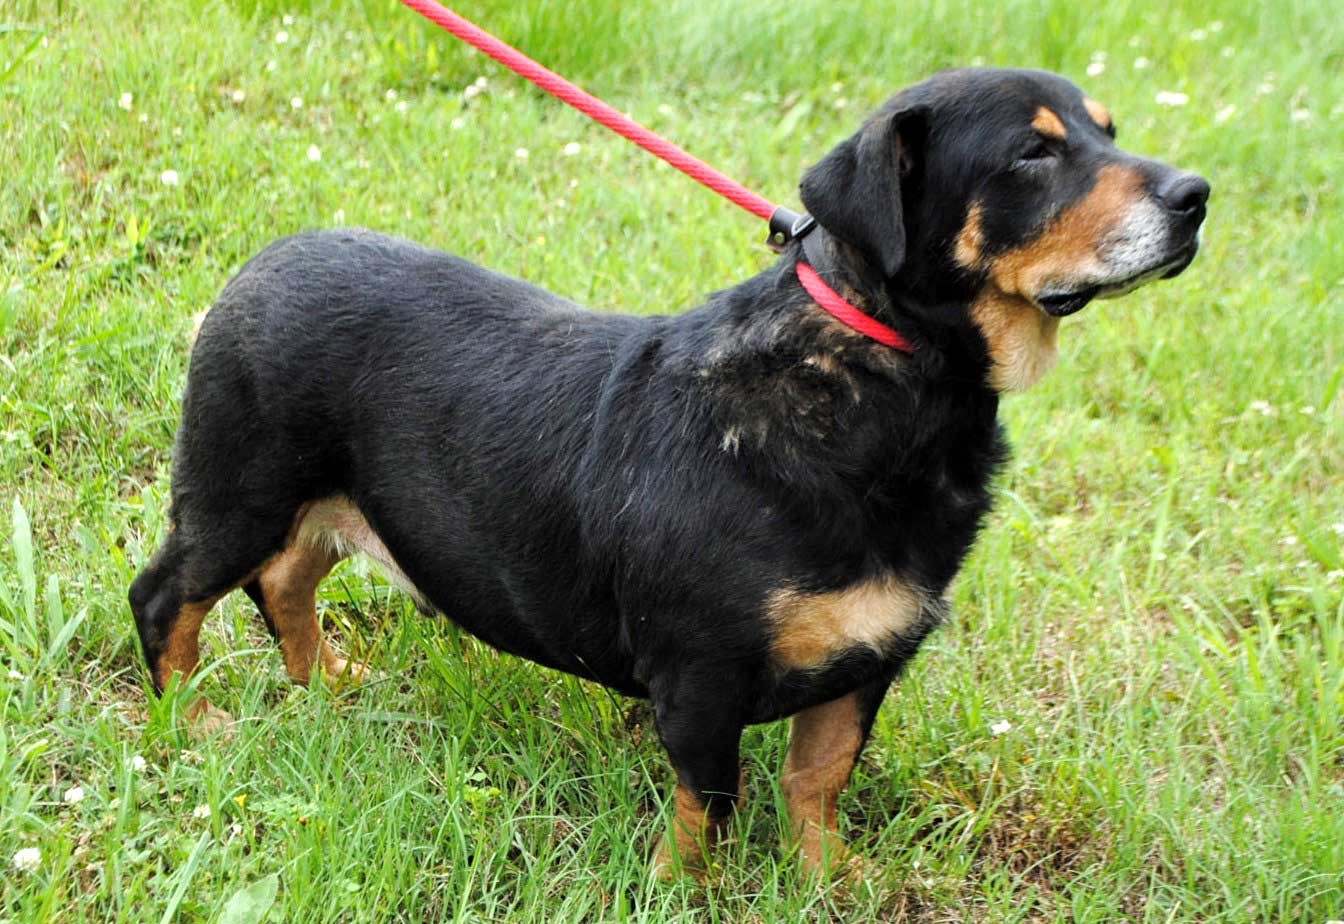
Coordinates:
[834,304]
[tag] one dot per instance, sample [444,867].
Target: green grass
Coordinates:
[1155,607]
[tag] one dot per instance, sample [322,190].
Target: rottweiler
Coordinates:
[746,511]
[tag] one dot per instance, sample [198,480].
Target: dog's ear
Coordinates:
[854,192]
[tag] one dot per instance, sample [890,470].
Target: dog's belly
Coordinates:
[506,617]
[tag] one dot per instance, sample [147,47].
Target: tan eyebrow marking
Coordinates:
[1048,122]
[1099,113]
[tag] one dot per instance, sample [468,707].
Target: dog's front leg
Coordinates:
[700,723]
[824,744]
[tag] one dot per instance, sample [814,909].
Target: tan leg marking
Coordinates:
[810,628]
[182,655]
[692,831]
[182,650]
[823,746]
[289,589]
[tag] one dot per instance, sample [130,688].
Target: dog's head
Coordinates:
[999,198]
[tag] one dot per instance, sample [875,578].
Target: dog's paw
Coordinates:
[342,673]
[671,865]
[205,720]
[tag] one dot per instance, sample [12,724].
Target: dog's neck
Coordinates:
[941,349]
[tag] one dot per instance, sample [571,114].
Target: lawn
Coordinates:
[1137,712]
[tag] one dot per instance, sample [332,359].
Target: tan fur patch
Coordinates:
[1022,339]
[692,829]
[289,588]
[810,628]
[1073,238]
[824,743]
[971,239]
[337,525]
[1048,122]
[1099,113]
[182,650]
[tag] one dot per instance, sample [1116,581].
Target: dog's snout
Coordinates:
[1183,193]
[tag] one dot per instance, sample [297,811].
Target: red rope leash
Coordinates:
[593,107]
[696,169]
[846,313]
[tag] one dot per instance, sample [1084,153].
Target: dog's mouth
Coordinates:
[1071,301]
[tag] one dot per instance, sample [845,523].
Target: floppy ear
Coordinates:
[854,192]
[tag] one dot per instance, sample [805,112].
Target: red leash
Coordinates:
[782,221]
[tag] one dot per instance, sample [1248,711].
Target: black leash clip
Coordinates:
[787,225]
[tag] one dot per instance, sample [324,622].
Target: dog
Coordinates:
[745,512]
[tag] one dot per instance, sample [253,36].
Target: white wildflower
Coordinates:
[27,860]
[296,102]
[314,153]
[139,764]
[281,37]
[339,216]
[169,178]
[1301,114]
[1001,727]
[572,148]
[1142,64]
[287,19]
[402,106]
[1171,98]
[238,96]
[144,117]
[1306,409]
[1216,26]
[390,95]
[201,811]
[1264,407]
[521,153]
[1096,68]
[16,676]
[665,109]
[1225,113]
[1198,35]
[125,101]
[270,65]
[1334,576]
[457,123]
[480,82]
[1289,540]
[472,91]
[73,796]
[1337,529]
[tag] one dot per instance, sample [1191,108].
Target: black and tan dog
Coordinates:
[744,512]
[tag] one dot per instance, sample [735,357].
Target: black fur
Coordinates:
[619,497]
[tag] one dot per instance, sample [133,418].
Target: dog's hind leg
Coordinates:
[285,591]
[203,558]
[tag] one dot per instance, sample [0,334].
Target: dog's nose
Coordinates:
[1184,193]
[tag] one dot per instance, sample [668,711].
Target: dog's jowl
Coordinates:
[744,512]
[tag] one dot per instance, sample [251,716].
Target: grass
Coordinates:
[1155,607]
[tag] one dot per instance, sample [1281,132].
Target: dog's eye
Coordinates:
[1035,154]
